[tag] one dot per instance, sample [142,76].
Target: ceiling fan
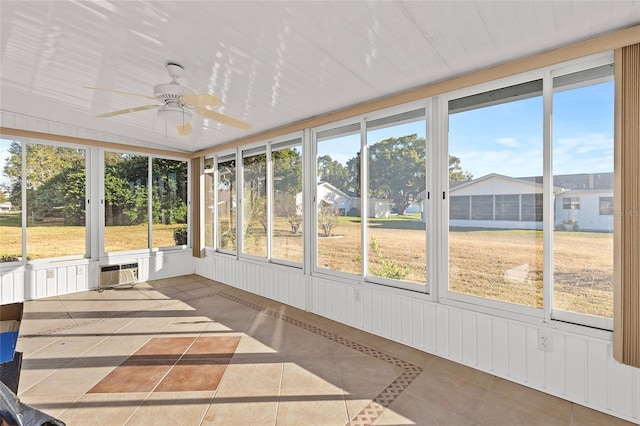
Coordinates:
[177,104]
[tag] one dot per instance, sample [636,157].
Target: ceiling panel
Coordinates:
[272,63]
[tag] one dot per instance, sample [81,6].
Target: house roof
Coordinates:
[520,181]
[334,189]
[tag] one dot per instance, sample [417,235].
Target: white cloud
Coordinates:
[508,142]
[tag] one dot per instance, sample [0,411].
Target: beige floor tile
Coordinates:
[498,409]
[358,398]
[310,373]
[409,410]
[67,348]
[34,371]
[172,408]
[252,347]
[306,406]
[251,377]
[309,344]
[31,344]
[527,399]
[118,345]
[241,410]
[103,409]
[583,416]
[52,405]
[458,398]
[365,371]
[73,379]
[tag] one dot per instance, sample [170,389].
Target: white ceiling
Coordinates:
[272,63]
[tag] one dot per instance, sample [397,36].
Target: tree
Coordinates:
[55,181]
[397,170]
[333,172]
[327,219]
[456,174]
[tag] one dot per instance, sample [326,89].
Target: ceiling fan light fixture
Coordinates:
[174,114]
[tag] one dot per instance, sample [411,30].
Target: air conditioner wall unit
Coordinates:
[115,275]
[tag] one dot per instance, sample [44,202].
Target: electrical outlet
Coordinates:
[545,341]
[357,296]
[51,273]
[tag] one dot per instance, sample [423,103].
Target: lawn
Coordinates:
[45,240]
[497,264]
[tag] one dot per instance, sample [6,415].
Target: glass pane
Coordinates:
[338,200]
[583,185]
[10,200]
[226,226]
[126,202]
[169,202]
[396,220]
[255,205]
[208,202]
[495,175]
[56,185]
[287,204]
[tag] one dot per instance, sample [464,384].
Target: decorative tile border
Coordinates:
[375,408]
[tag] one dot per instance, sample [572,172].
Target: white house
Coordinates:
[5,207]
[329,195]
[497,201]
[587,200]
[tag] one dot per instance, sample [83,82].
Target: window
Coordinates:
[209,200]
[169,202]
[339,241]
[482,207]
[571,203]
[254,202]
[460,207]
[532,207]
[47,197]
[226,204]
[10,200]
[606,206]
[126,202]
[55,186]
[287,201]
[396,231]
[583,161]
[507,207]
[495,146]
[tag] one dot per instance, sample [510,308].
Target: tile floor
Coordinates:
[191,351]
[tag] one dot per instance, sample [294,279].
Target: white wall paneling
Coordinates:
[36,281]
[12,286]
[284,284]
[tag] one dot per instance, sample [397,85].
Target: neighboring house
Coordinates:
[329,195]
[5,207]
[586,199]
[497,201]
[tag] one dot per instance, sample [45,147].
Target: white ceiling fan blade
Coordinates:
[224,119]
[201,100]
[120,93]
[184,130]
[126,111]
